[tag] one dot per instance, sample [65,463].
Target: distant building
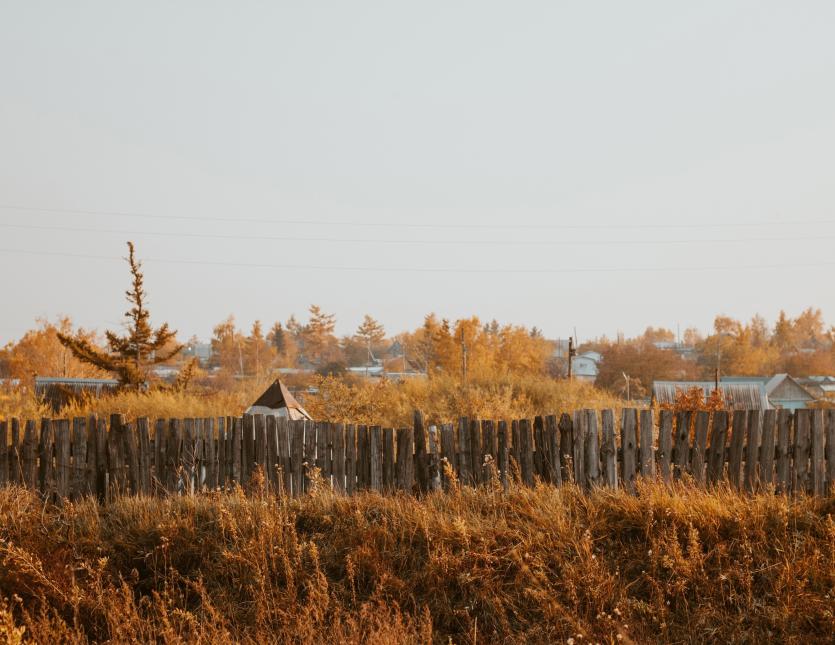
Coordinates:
[278,401]
[584,367]
[738,395]
[58,391]
[201,351]
[787,393]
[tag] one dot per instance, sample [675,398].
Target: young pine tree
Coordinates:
[130,356]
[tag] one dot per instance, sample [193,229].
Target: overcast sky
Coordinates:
[598,165]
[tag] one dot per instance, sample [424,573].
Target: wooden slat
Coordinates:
[115,459]
[63,460]
[221,458]
[592,449]
[4,453]
[515,463]
[753,438]
[247,448]
[363,460]
[464,456]
[566,427]
[322,455]
[376,458]
[539,448]
[99,427]
[236,451]
[503,453]
[211,446]
[143,443]
[699,455]
[78,478]
[297,456]
[769,432]
[15,453]
[716,453]
[628,443]
[476,456]
[579,448]
[447,454]
[259,428]
[830,451]
[526,450]
[681,453]
[273,467]
[488,447]
[818,465]
[553,472]
[30,455]
[131,452]
[310,432]
[283,471]
[433,456]
[405,467]
[421,475]
[46,464]
[740,423]
[646,451]
[800,457]
[665,445]
[160,442]
[350,458]
[608,449]
[188,454]
[338,457]
[388,459]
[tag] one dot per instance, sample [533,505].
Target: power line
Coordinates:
[423,242]
[389,269]
[421,225]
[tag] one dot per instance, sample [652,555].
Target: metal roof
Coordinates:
[739,395]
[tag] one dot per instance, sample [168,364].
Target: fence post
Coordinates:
[539,458]
[681,457]
[350,458]
[30,458]
[627,444]
[476,458]
[388,459]
[405,459]
[62,459]
[665,445]
[566,427]
[433,472]
[503,453]
[767,448]
[718,438]
[800,480]
[608,449]
[740,422]
[784,442]
[592,449]
[464,450]
[46,471]
[420,452]
[818,456]
[752,450]
[697,460]
[646,456]
[99,427]
[579,448]
[553,473]
[830,451]
[376,458]
[526,450]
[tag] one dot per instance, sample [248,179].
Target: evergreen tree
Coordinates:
[130,356]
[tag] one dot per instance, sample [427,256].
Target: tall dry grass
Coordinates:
[524,566]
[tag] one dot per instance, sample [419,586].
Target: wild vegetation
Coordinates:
[474,565]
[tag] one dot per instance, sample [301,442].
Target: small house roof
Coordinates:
[785,387]
[739,395]
[277,396]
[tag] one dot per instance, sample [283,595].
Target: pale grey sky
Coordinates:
[598,165]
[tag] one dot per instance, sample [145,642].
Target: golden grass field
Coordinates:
[542,565]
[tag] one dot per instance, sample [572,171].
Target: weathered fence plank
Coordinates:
[421,475]
[388,459]
[579,448]
[608,449]
[681,453]
[448,466]
[627,444]
[405,467]
[488,447]
[464,456]
[350,458]
[99,428]
[63,462]
[310,431]
[592,449]
[363,462]
[78,478]
[46,465]
[15,454]
[503,456]
[131,454]
[566,427]
[830,451]
[30,459]
[802,439]
[818,465]
[697,459]
[665,445]
[526,451]
[323,451]
[433,472]
[539,458]
[769,429]
[740,423]
[476,457]
[716,454]
[784,451]
[645,443]
[338,458]
[752,451]
[376,458]
[145,456]
[552,440]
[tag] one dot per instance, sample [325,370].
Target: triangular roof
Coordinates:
[277,396]
[779,380]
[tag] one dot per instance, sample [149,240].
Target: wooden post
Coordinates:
[464,456]
[272,463]
[297,456]
[78,481]
[388,459]
[553,441]
[539,458]
[566,427]
[4,453]
[131,453]
[503,453]
[405,459]
[160,442]
[338,458]
[698,457]
[515,451]
[247,448]
[447,453]
[210,453]
[433,471]
[309,453]
[646,451]
[63,462]
[592,449]
[608,449]
[716,455]
[421,475]
[818,455]
[16,454]
[46,471]
[259,427]
[376,458]
[283,472]
[476,457]
[526,449]
[363,466]
[115,459]
[681,456]
[740,422]
[488,447]
[350,458]
[784,451]
[665,445]
[800,480]
[752,451]
[579,448]
[322,452]
[99,428]
[30,459]
[769,428]
[830,451]
[221,459]
[628,442]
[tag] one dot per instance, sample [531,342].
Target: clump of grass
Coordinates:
[472,565]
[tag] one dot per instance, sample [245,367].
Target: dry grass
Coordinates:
[529,565]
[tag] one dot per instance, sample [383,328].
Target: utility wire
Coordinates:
[422,225]
[390,269]
[443,242]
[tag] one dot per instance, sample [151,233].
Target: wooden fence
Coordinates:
[753,450]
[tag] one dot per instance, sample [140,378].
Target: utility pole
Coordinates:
[571,353]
